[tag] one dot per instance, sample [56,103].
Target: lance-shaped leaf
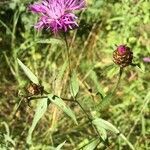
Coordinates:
[92,145]
[62,105]
[101,123]
[94,78]
[39,112]
[28,72]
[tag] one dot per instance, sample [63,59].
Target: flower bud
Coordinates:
[123,56]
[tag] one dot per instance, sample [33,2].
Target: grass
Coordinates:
[121,120]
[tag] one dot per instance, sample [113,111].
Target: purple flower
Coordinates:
[57,15]
[146,59]
[122,49]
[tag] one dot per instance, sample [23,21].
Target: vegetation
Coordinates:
[82,106]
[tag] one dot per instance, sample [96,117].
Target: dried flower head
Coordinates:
[123,56]
[57,15]
[34,89]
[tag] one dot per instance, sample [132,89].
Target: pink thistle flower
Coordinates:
[57,15]
[122,49]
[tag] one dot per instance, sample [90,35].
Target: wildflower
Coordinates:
[146,59]
[123,56]
[57,15]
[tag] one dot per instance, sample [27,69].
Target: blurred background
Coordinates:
[102,25]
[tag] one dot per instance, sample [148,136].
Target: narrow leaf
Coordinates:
[61,104]
[105,102]
[101,123]
[60,146]
[39,112]
[103,133]
[92,145]
[93,76]
[127,141]
[28,72]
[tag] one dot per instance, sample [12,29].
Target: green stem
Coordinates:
[107,99]
[70,71]
[68,54]
[120,74]
[39,97]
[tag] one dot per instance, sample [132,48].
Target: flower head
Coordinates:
[57,15]
[123,56]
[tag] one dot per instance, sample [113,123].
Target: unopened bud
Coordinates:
[123,56]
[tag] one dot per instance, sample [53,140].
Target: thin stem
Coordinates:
[68,53]
[120,75]
[107,99]
[83,110]
[39,97]
[89,118]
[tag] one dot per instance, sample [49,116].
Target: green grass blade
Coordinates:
[60,146]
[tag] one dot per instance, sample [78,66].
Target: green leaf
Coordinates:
[92,145]
[105,102]
[28,72]
[103,133]
[93,76]
[74,86]
[101,123]
[60,103]
[60,146]
[39,112]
